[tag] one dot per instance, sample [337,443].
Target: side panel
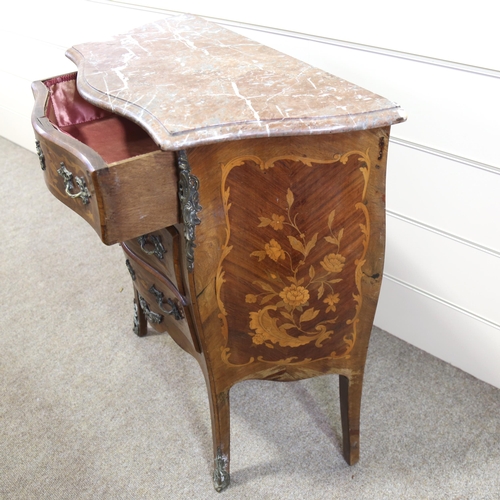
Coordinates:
[289,253]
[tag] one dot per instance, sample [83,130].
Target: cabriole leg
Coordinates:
[219,412]
[350,405]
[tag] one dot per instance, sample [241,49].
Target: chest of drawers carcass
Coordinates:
[247,191]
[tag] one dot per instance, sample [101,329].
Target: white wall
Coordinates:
[438,60]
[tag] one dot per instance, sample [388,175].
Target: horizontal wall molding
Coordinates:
[461,339]
[442,301]
[324,40]
[39,38]
[442,233]
[366,48]
[448,156]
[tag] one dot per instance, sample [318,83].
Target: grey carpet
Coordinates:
[90,411]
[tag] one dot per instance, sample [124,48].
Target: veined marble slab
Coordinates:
[188,82]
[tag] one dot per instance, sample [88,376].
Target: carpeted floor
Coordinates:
[90,411]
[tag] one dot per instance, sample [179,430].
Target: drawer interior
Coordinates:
[113,137]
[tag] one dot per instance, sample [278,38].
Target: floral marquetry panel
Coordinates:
[288,281]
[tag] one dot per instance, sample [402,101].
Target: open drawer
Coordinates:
[103,166]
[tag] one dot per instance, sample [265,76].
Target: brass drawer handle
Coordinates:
[40,154]
[151,316]
[159,250]
[174,309]
[84,193]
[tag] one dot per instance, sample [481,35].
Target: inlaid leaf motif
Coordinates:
[261,254]
[312,272]
[311,245]
[297,245]
[330,321]
[265,286]
[308,315]
[334,239]
[286,315]
[330,218]
[267,298]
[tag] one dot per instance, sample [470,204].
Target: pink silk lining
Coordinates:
[113,137]
[68,106]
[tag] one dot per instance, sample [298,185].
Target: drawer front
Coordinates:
[160,250]
[135,193]
[162,304]
[68,178]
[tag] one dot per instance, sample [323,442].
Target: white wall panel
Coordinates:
[16,103]
[13,127]
[66,23]
[457,273]
[15,94]
[33,59]
[448,195]
[461,339]
[451,31]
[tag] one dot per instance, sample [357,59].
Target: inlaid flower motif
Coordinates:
[294,295]
[333,263]
[285,316]
[274,251]
[331,300]
[250,298]
[277,221]
[259,337]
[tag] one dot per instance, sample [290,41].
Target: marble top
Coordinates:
[189,82]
